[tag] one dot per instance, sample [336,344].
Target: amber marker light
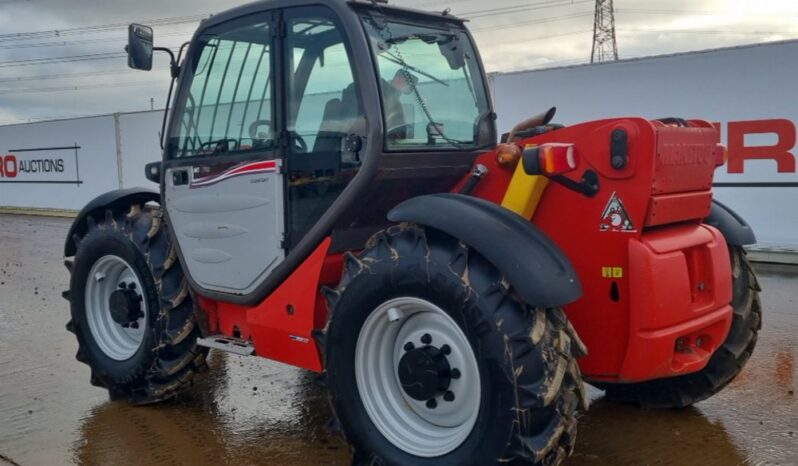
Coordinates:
[508,155]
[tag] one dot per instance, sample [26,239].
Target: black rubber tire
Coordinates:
[532,386]
[723,366]
[169,357]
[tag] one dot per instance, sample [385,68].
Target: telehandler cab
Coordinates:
[332,196]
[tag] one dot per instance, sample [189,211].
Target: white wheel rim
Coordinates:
[115,341]
[406,422]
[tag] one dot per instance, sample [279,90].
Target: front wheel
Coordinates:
[131,309]
[433,360]
[723,366]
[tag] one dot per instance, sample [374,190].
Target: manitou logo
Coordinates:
[739,152]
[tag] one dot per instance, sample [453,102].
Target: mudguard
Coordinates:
[102,202]
[735,230]
[540,273]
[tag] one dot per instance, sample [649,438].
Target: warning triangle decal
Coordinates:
[615,217]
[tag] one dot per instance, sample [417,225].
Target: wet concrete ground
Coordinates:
[250,411]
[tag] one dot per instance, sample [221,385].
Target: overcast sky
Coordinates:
[40,78]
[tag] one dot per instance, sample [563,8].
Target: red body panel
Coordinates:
[639,283]
[491,187]
[680,289]
[671,208]
[656,277]
[685,159]
[281,327]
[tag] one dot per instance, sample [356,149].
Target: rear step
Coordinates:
[225,343]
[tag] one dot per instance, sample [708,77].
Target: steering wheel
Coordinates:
[253,128]
[299,142]
[221,145]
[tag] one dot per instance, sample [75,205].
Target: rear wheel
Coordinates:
[431,359]
[131,309]
[723,366]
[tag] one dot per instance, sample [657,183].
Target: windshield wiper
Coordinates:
[430,38]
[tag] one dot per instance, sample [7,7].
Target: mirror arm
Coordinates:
[174,71]
[173,68]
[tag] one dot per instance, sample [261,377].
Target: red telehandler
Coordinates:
[332,196]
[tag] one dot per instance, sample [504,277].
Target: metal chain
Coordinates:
[409,77]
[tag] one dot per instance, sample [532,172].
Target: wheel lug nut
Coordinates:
[454,373]
[446,349]
[123,285]
[448,396]
[132,286]
[136,325]
[432,404]
[409,346]
[426,339]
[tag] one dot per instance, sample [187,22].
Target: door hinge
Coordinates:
[282,140]
[279,29]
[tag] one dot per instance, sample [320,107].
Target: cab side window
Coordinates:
[228,107]
[324,105]
[329,107]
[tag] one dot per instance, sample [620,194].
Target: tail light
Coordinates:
[550,159]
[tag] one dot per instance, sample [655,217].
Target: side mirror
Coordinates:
[139,47]
[153,172]
[453,52]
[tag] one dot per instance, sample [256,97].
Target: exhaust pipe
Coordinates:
[531,122]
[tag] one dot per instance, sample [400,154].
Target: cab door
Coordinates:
[325,119]
[223,187]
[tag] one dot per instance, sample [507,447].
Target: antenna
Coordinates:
[605,48]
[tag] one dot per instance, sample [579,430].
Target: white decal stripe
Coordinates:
[232,175]
[251,166]
[248,169]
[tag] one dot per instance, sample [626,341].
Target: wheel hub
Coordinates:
[115,308]
[424,373]
[417,376]
[125,306]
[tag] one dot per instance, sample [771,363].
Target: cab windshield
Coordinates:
[433,93]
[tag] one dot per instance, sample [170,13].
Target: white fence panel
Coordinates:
[139,145]
[57,164]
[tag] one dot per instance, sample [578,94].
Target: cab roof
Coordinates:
[339,6]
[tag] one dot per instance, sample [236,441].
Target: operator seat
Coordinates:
[341,117]
[331,129]
[345,116]
[395,118]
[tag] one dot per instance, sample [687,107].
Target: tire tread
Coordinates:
[177,357]
[540,346]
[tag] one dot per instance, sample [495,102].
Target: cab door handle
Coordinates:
[179,177]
